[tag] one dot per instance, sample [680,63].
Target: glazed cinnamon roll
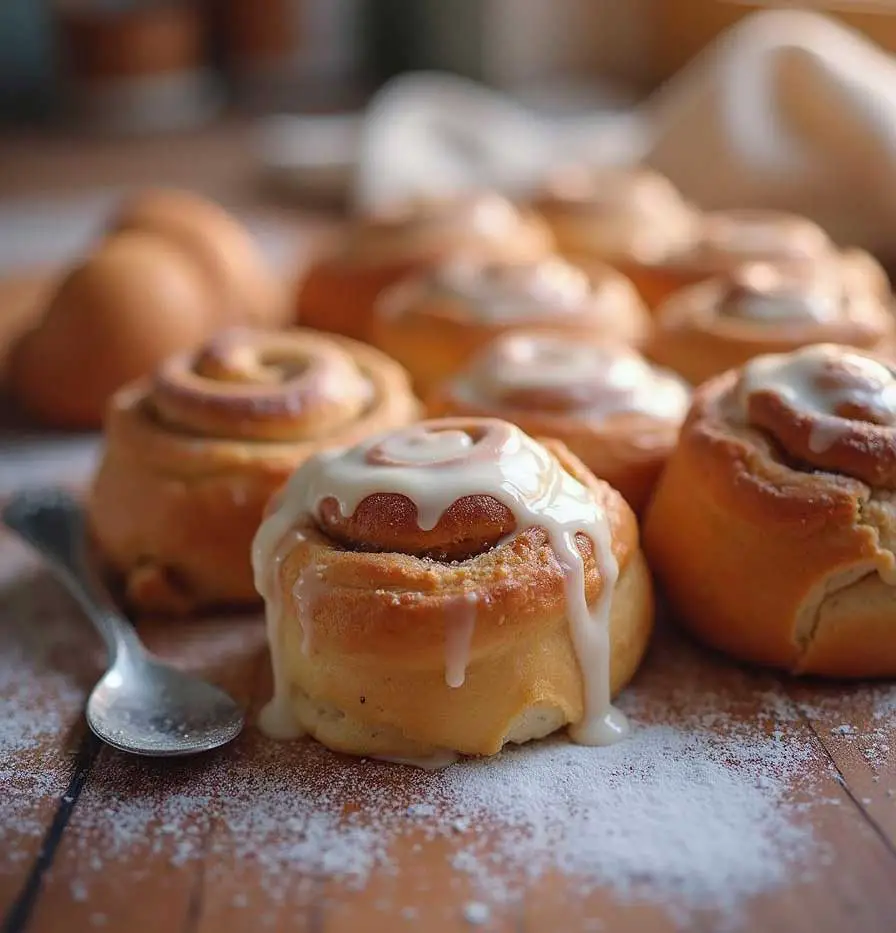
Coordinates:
[611,408]
[449,588]
[193,454]
[757,308]
[339,291]
[434,323]
[772,527]
[632,218]
[635,220]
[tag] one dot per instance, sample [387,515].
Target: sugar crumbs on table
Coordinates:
[844,729]
[698,808]
[419,810]
[477,913]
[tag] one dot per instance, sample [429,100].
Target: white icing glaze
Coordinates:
[276,719]
[820,381]
[460,623]
[434,762]
[308,587]
[436,463]
[599,380]
[767,294]
[500,291]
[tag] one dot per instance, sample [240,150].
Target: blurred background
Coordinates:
[293,113]
[289,111]
[122,91]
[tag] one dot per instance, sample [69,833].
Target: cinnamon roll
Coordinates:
[339,290]
[772,527]
[434,323]
[193,454]
[604,401]
[449,588]
[630,217]
[757,308]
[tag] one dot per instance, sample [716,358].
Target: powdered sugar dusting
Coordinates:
[691,816]
[42,651]
[705,806]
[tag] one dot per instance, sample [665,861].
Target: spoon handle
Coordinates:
[52,522]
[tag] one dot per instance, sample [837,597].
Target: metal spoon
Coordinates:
[140,705]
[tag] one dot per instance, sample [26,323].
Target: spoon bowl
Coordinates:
[140,705]
[147,708]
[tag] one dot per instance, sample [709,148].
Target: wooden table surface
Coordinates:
[259,836]
[93,839]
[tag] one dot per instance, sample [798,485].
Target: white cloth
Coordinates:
[789,110]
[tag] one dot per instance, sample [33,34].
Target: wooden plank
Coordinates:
[857,728]
[47,663]
[132,853]
[163,855]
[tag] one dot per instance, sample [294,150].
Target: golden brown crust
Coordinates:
[177,499]
[23,298]
[339,291]
[173,270]
[635,220]
[245,289]
[627,215]
[720,323]
[112,319]
[434,324]
[367,672]
[339,298]
[765,535]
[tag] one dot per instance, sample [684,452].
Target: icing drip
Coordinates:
[276,719]
[460,622]
[307,589]
[435,464]
[768,294]
[827,383]
[551,371]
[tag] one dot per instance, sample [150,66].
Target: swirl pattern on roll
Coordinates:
[785,294]
[549,290]
[408,490]
[554,373]
[770,307]
[193,455]
[825,407]
[258,385]
[783,480]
